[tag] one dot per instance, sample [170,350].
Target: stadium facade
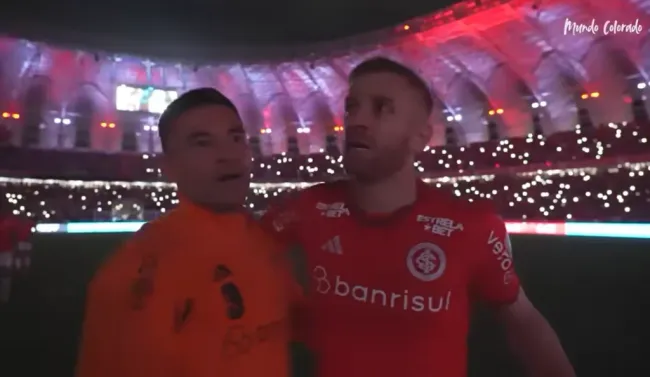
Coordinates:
[504,62]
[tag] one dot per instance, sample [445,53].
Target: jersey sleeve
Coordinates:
[24,235]
[24,229]
[283,218]
[297,302]
[494,281]
[100,332]
[108,311]
[5,244]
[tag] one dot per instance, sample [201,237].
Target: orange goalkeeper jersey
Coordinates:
[193,294]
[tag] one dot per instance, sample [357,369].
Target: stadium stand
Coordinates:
[613,143]
[507,96]
[597,175]
[510,80]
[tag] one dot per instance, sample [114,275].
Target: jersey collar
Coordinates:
[197,215]
[383,219]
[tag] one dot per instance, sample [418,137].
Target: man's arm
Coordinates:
[532,339]
[24,233]
[109,305]
[283,221]
[529,335]
[98,351]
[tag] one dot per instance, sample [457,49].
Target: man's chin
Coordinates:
[361,172]
[226,206]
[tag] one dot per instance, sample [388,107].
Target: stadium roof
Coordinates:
[202,29]
[495,55]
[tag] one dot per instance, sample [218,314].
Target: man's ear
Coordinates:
[423,136]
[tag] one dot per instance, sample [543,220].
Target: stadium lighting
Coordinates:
[65,121]
[595,95]
[338,128]
[7,115]
[304,130]
[265,131]
[558,228]
[584,96]
[499,111]
[107,125]
[542,186]
[147,127]
[641,85]
[458,117]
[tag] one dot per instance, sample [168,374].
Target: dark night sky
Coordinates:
[180,27]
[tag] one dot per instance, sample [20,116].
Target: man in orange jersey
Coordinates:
[197,292]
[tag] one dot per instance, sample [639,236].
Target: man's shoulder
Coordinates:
[17,223]
[16,228]
[466,210]
[130,254]
[300,199]
[323,191]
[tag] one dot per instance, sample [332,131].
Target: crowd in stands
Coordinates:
[597,174]
[562,149]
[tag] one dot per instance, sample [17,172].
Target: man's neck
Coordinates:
[216,209]
[219,209]
[387,195]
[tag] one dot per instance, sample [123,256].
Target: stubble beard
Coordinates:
[385,163]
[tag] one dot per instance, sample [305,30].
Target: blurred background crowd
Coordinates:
[552,126]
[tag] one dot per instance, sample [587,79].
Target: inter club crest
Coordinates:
[426,261]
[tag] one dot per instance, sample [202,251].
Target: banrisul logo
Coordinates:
[337,286]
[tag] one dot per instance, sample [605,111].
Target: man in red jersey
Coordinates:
[395,264]
[15,250]
[6,260]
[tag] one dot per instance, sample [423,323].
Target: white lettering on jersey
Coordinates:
[333,245]
[501,249]
[439,225]
[368,295]
[283,219]
[333,210]
[508,276]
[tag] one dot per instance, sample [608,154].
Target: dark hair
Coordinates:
[381,64]
[188,101]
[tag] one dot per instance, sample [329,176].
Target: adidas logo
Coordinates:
[333,246]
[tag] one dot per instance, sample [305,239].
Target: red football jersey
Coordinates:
[392,295]
[6,235]
[14,233]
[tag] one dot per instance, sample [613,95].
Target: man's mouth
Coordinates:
[356,145]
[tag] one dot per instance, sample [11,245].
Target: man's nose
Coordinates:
[356,130]
[229,159]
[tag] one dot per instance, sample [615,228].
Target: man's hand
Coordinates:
[533,340]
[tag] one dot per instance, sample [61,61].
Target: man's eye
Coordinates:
[202,143]
[380,106]
[238,138]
